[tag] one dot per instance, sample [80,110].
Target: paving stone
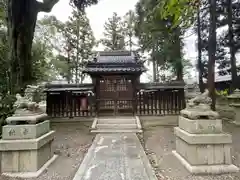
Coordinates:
[117,156]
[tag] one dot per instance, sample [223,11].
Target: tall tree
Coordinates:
[157,37]
[82,41]
[200,64]
[212,52]
[113,33]
[129,23]
[21,18]
[231,43]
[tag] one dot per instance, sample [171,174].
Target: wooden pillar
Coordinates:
[134,99]
[96,92]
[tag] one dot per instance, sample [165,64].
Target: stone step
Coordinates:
[116,126]
[116,131]
[116,121]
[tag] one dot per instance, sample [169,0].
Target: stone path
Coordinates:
[118,156]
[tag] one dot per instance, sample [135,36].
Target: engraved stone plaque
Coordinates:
[26,131]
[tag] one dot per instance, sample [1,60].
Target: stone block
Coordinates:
[27,155]
[197,113]
[236,108]
[25,131]
[200,126]
[26,144]
[204,154]
[26,160]
[29,119]
[222,138]
[206,169]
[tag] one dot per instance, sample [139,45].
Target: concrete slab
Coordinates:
[116,126]
[120,124]
[116,131]
[118,156]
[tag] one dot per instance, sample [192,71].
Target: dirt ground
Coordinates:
[160,141]
[72,141]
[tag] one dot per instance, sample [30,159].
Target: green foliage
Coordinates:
[82,4]
[183,12]
[157,37]
[3,5]
[114,33]
[224,92]
[72,41]
[129,28]
[6,107]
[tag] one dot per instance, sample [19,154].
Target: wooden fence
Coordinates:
[69,103]
[160,102]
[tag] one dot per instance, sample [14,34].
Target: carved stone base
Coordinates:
[27,155]
[236,108]
[26,119]
[200,126]
[206,169]
[25,131]
[204,153]
[199,112]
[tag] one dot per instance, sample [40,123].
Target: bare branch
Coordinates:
[46,5]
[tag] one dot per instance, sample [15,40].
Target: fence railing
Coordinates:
[160,102]
[70,104]
[147,103]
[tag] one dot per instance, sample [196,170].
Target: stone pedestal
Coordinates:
[26,148]
[236,107]
[201,145]
[234,101]
[234,97]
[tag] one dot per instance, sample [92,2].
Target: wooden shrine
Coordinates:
[115,90]
[115,76]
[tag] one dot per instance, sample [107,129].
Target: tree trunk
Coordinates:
[69,68]
[200,65]
[22,17]
[212,53]
[77,58]
[179,65]
[130,42]
[231,46]
[154,64]
[21,20]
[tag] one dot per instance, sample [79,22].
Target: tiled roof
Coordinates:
[116,57]
[115,69]
[165,85]
[115,61]
[68,87]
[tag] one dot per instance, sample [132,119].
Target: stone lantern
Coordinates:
[201,145]
[234,101]
[234,97]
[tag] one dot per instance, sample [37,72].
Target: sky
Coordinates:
[99,14]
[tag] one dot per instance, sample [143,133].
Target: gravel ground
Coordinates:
[71,143]
[73,140]
[159,143]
